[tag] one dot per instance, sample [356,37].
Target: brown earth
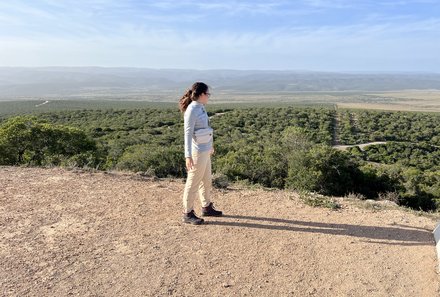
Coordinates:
[72,232]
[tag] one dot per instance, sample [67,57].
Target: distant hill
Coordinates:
[20,82]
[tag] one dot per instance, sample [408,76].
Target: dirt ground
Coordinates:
[77,233]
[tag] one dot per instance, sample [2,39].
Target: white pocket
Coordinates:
[203,135]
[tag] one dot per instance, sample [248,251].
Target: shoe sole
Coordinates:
[193,223]
[210,215]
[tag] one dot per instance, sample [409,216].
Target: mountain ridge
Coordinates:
[16,82]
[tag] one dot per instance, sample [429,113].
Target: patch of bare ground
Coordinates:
[73,232]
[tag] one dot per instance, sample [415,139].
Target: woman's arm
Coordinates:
[189,122]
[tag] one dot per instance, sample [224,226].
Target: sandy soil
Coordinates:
[428,106]
[65,233]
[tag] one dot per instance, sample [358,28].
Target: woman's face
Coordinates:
[203,98]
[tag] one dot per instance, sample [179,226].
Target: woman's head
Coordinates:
[199,92]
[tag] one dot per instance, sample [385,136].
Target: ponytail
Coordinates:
[185,100]
[192,94]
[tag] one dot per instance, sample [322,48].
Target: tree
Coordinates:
[27,140]
[322,169]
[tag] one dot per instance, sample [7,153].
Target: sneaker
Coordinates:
[191,218]
[209,211]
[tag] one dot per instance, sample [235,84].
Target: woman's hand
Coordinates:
[189,163]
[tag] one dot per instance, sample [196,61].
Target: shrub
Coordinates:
[163,161]
[27,140]
[317,200]
[220,181]
[256,163]
[321,169]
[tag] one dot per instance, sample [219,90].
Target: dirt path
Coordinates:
[65,233]
[45,102]
[361,145]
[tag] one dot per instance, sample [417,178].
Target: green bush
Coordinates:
[321,169]
[27,140]
[163,161]
[256,163]
[281,147]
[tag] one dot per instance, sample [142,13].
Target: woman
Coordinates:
[198,142]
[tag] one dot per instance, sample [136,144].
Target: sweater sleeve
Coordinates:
[189,123]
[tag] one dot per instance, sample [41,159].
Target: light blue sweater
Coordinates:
[195,118]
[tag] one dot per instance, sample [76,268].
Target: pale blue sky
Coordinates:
[339,35]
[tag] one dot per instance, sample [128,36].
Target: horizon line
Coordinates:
[237,70]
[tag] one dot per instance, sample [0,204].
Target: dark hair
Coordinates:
[197,89]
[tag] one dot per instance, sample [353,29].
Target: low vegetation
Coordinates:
[281,147]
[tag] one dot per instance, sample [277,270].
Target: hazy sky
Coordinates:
[339,35]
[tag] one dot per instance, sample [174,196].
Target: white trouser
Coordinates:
[199,180]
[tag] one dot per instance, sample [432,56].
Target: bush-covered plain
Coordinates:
[284,147]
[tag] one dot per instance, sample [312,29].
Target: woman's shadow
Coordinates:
[393,235]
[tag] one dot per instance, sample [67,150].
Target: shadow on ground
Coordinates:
[401,235]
